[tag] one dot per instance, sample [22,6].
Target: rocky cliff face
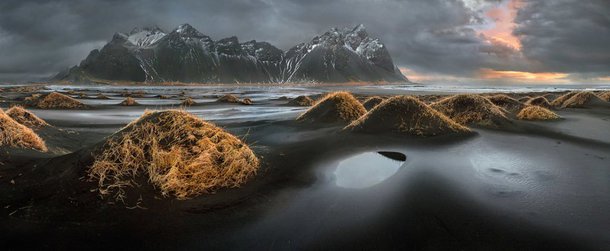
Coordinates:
[187,55]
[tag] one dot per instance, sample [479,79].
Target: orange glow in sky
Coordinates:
[524,76]
[502,30]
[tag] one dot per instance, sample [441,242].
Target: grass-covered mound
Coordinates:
[229,98]
[188,102]
[539,101]
[506,102]
[558,102]
[605,96]
[405,115]
[55,100]
[25,117]
[301,101]
[371,102]
[534,112]
[247,101]
[101,96]
[13,134]
[129,101]
[583,99]
[178,153]
[336,107]
[469,109]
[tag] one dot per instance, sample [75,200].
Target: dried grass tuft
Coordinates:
[471,109]
[188,102]
[371,102]
[55,100]
[558,102]
[179,153]
[506,102]
[406,115]
[582,99]
[129,101]
[534,112]
[25,117]
[13,134]
[247,101]
[301,101]
[539,101]
[605,96]
[229,98]
[336,107]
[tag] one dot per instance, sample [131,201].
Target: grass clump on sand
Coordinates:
[558,102]
[301,101]
[605,96]
[101,96]
[13,134]
[188,102]
[129,101]
[406,115]
[56,100]
[229,98]
[177,152]
[539,101]
[582,99]
[247,101]
[506,102]
[371,102]
[25,117]
[471,109]
[336,107]
[534,112]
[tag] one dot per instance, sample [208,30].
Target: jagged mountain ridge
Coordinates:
[186,55]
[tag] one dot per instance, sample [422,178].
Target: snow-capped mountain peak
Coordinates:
[145,37]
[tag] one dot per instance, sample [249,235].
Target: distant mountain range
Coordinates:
[187,55]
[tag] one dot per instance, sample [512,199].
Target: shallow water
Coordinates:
[365,170]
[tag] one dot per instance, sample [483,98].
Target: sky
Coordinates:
[431,41]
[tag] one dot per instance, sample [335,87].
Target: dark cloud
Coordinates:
[39,37]
[567,35]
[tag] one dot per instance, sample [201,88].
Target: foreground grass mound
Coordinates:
[13,134]
[582,99]
[25,117]
[336,107]
[371,102]
[534,112]
[406,115]
[301,101]
[178,153]
[129,101]
[558,102]
[506,102]
[471,109]
[57,100]
[539,101]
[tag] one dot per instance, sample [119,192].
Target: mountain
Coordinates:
[186,55]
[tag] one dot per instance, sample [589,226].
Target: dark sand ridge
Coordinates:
[129,101]
[539,101]
[371,102]
[583,99]
[13,134]
[301,101]
[336,107]
[469,109]
[405,115]
[26,118]
[506,102]
[534,112]
[54,100]
[180,154]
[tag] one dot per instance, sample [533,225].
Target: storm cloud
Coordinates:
[41,37]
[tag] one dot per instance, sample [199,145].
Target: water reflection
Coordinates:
[368,169]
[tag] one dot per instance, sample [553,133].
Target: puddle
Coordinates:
[368,169]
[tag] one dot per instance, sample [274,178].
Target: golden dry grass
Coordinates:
[406,115]
[558,102]
[336,107]
[534,112]
[246,101]
[301,101]
[605,96]
[581,99]
[25,117]
[188,102]
[101,96]
[371,102]
[471,109]
[129,101]
[229,98]
[56,100]
[506,102]
[179,153]
[162,96]
[539,101]
[13,134]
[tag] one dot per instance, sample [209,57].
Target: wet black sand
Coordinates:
[534,186]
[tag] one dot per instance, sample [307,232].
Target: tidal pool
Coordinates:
[368,169]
